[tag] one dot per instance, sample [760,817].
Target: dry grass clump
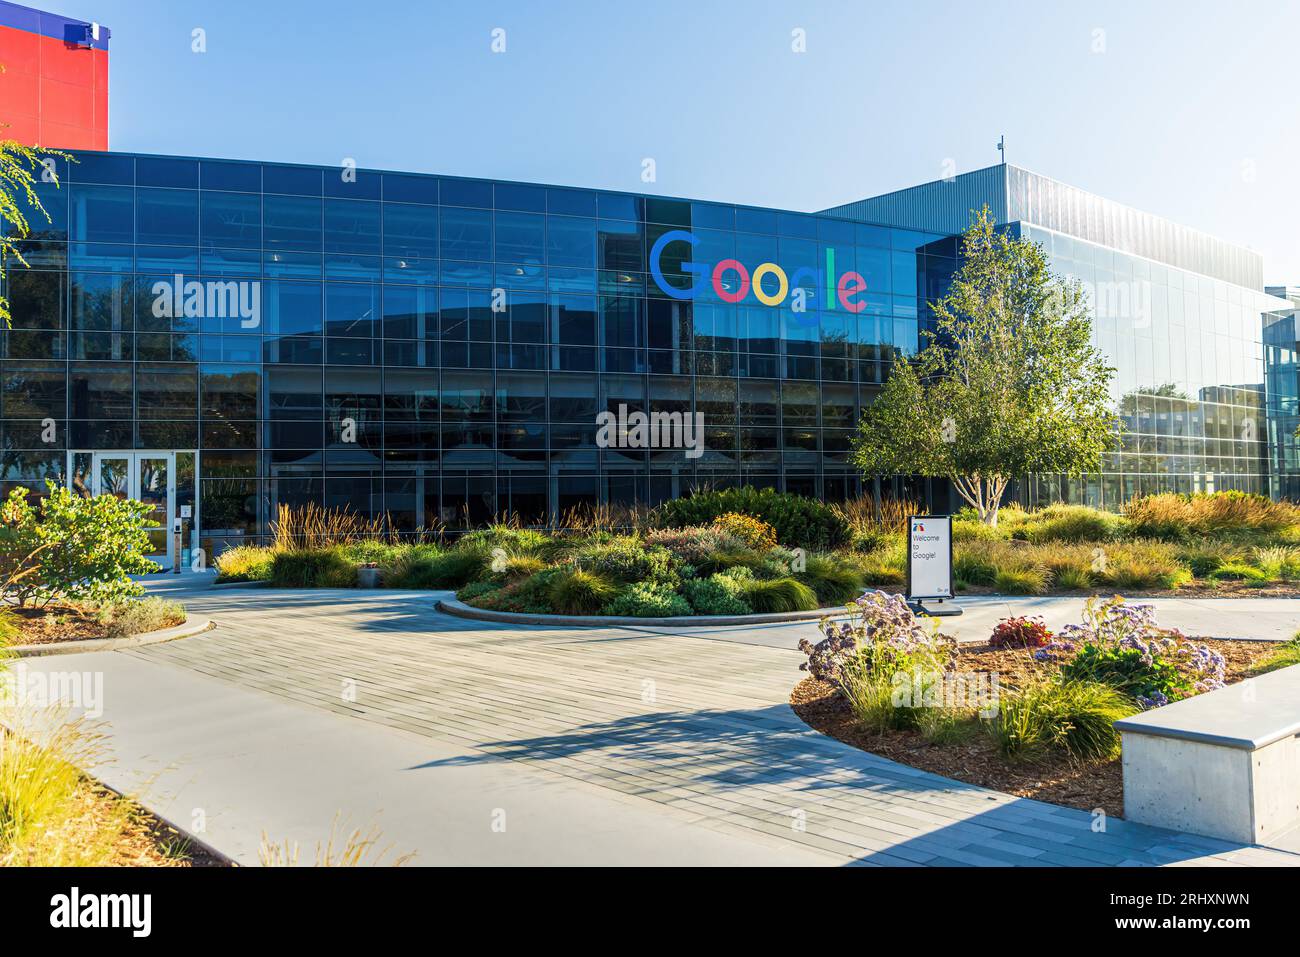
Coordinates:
[51,815]
[587,518]
[300,528]
[1174,517]
[862,515]
[355,849]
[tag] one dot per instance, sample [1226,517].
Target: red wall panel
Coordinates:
[53,93]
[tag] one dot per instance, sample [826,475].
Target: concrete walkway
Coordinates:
[470,743]
[1272,619]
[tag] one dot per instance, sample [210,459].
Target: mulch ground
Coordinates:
[42,626]
[55,623]
[1058,780]
[145,841]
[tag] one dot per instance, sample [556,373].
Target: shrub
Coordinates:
[1171,517]
[882,636]
[244,563]
[574,591]
[692,545]
[648,599]
[477,590]
[1022,632]
[1239,572]
[1077,717]
[716,595]
[1121,645]
[1069,523]
[875,572]
[1204,557]
[888,566]
[127,617]
[871,539]
[1135,572]
[1150,679]
[752,532]
[368,551]
[312,568]
[835,581]
[516,567]
[627,560]
[797,521]
[1072,578]
[1021,580]
[727,558]
[515,541]
[974,565]
[1278,562]
[779,595]
[424,566]
[968,530]
[527,596]
[79,549]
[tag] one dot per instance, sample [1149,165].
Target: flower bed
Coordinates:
[60,622]
[742,550]
[1018,715]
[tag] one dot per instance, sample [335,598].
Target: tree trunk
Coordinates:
[982,494]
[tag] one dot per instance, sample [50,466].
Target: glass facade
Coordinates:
[1189,385]
[439,349]
[432,348]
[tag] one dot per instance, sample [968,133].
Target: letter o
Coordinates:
[720,270]
[783,284]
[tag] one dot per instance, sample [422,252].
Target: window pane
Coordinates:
[352,227]
[466,234]
[103,214]
[232,219]
[167,217]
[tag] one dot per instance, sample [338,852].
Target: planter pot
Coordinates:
[367,577]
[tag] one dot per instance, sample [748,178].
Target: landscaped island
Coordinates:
[1027,712]
[65,569]
[740,551]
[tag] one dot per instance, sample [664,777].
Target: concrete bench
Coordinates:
[1224,764]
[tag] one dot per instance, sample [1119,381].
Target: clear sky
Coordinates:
[1186,109]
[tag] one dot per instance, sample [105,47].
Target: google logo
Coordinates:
[761,281]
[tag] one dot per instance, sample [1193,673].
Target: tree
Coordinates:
[1008,384]
[20,167]
[72,548]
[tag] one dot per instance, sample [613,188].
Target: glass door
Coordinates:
[149,477]
[155,487]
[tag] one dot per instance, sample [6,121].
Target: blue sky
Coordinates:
[1187,110]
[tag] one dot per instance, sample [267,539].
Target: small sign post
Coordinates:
[929,563]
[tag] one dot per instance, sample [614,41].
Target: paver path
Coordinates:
[697,728]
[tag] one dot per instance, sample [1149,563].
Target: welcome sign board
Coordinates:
[929,557]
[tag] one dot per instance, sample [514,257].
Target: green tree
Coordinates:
[20,169]
[73,548]
[1007,385]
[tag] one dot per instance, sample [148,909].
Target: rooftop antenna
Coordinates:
[1002,147]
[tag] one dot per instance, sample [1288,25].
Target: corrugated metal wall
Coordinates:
[1017,195]
[1075,212]
[943,206]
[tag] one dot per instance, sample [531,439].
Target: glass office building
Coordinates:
[219,338]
